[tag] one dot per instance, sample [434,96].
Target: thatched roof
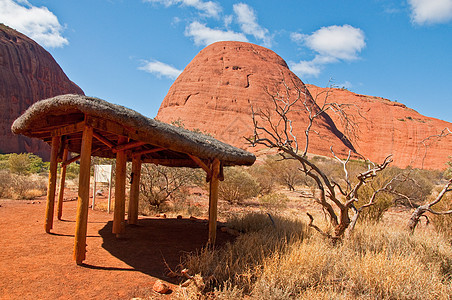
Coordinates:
[63,114]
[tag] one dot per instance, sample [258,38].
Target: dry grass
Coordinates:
[17,186]
[286,261]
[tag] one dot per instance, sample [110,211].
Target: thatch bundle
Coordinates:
[44,117]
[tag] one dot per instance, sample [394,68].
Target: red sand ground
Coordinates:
[36,265]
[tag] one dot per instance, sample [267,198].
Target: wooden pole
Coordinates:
[62,182]
[132,215]
[109,195]
[83,196]
[213,201]
[94,191]
[50,205]
[120,191]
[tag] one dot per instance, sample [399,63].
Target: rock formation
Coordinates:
[388,127]
[216,90]
[28,73]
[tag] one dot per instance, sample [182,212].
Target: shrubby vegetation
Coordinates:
[22,176]
[238,185]
[160,185]
[288,261]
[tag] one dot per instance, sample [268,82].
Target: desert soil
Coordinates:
[37,265]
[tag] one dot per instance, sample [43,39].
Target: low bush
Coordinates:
[274,200]
[375,263]
[22,186]
[238,185]
[443,223]
[159,184]
[24,163]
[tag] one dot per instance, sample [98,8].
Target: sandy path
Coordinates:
[36,265]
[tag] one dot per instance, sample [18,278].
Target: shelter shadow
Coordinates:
[156,244]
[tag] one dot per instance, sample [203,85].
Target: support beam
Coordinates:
[132,215]
[104,140]
[83,196]
[213,201]
[70,161]
[147,151]
[200,163]
[62,182]
[128,146]
[50,205]
[120,191]
[68,129]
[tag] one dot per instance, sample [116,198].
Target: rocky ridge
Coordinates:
[219,86]
[387,127]
[28,73]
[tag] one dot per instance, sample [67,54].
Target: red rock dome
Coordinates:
[28,73]
[216,90]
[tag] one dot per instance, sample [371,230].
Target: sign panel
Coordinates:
[102,173]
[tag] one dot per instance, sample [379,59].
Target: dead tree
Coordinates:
[422,209]
[273,128]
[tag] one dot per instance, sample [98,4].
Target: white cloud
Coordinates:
[38,23]
[160,69]
[248,23]
[203,35]
[342,42]
[345,85]
[306,68]
[430,11]
[209,8]
[332,44]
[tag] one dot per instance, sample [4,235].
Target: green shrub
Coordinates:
[448,172]
[24,163]
[286,172]
[264,178]
[274,200]
[17,186]
[159,184]
[238,185]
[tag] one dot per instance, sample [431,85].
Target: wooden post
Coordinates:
[120,190]
[132,215]
[213,201]
[50,205]
[94,190]
[109,195]
[62,182]
[83,196]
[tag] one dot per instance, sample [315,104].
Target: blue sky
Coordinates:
[130,51]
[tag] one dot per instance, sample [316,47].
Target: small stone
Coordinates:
[163,216]
[179,217]
[193,218]
[161,287]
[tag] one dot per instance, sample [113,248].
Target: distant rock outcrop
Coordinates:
[28,73]
[216,90]
[388,127]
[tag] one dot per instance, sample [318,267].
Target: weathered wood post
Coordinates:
[62,182]
[213,201]
[120,190]
[83,196]
[50,205]
[132,215]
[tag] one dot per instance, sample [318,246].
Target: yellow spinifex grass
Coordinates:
[287,261]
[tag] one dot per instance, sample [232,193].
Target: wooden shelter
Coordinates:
[94,127]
